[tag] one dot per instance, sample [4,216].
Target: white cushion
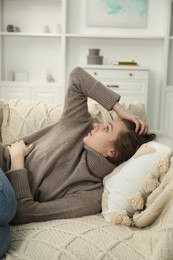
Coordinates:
[130,180]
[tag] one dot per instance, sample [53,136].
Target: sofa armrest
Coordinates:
[2,103]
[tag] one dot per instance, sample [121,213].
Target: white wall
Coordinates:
[155,21]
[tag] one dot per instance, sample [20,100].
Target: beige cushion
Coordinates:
[23,117]
[102,115]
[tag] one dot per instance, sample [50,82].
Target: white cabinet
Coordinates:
[130,83]
[14,92]
[37,49]
[49,93]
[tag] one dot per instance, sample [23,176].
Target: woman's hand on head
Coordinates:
[19,148]
[141,126]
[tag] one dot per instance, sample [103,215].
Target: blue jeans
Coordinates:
[8,207]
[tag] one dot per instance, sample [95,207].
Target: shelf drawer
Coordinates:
[49,95]
[134,98]
[11,92]
[105,74]
[121,86]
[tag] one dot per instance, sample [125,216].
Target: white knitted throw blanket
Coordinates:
[93,238]
[90,238]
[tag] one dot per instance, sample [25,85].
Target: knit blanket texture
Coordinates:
[92,237]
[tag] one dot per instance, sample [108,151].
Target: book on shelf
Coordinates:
[127,63]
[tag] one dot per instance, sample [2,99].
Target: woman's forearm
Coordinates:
[17,162]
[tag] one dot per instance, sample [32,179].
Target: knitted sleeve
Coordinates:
[82,85]
[78,204]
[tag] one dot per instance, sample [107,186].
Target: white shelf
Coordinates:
[116,67]
[13,34]
[71,35]
[31,84]
[141,37]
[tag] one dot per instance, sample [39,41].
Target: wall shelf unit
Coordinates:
[66,45]
[36,50]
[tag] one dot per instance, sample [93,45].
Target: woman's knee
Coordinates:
[8,202]
[5,239]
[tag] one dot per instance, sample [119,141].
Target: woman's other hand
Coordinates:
[20,148]
[18,151]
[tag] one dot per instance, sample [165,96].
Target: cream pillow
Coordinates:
[127,187]
[22,117]
[103,116]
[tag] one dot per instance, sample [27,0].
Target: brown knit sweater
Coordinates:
[63,178]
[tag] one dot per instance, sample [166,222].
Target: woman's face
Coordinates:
[102,136]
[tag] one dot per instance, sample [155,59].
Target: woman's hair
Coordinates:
[128,143]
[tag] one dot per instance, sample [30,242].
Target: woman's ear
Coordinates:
[112,153]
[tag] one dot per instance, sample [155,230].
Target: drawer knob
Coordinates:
[95,73]
[130,74]
[113,86]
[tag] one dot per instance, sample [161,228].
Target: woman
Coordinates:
[61,176]
[8,207]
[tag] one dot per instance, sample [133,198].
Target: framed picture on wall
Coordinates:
[116,13]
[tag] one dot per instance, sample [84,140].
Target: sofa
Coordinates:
[89,237]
